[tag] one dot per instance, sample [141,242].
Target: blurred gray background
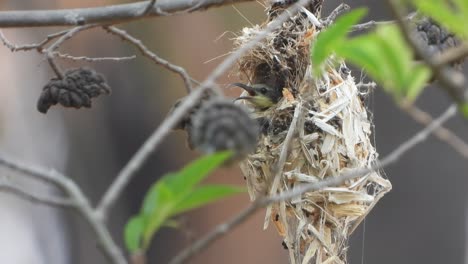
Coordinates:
[422,220]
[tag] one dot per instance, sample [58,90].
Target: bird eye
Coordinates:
[263,90]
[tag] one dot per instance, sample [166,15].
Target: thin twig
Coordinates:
[32,46]
[372,23]
[151,55]
[452,55]
[6,187]
[336,12]
[391,158]
[50,51]
[108,246]
[85,58]
[105,15]
[442,133]
[452,82]
[215,234]
[140,157]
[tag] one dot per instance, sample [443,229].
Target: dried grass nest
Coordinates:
[333,137]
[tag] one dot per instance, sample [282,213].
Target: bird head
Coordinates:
[261,96]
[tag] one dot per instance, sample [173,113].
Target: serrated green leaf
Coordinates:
[133,233]
[204,195]
[333,37]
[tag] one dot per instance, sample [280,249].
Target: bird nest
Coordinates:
[332,136]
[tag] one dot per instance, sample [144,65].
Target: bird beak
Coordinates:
[248,98]
[249,89]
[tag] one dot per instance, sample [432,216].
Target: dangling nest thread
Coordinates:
[333,137]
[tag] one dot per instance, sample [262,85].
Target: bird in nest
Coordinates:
[261,96]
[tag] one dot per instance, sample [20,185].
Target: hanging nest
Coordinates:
[333,136]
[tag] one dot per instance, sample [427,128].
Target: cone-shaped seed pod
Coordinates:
[75,90]
[333,137]
[222,125]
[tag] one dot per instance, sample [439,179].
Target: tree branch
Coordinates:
[49,52]
[151,55]
[442,133]
[35,198]
[112,14]
[82,205]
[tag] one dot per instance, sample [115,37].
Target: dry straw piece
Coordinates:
[332,136]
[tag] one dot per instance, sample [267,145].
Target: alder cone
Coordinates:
[76,89]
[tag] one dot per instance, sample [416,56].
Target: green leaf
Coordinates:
[192,174]
[464,109]
[333,37]
[417,81]
[387,58]
[160,194]
[204,195]
[166,194]
[157,207]
[133,233]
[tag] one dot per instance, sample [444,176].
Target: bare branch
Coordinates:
[140,157]
[442,133]
[35,198]
[89,59]
[336,12]
[372,23]
[109,248]
[215,234]
[452,55]
[50,51]
[151,55]
[112,14]
[391,158]
[25,47]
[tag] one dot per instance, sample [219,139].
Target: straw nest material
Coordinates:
[333,136]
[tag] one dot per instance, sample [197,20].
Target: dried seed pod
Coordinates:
[75,90]
[222,125]
[186,122]
[436,38]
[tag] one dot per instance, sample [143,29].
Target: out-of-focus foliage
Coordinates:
[173,194]
[383,53]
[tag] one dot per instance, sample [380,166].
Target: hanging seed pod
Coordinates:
[222,125]
[333,137]
[75,90]
[436,38]
[186,122]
